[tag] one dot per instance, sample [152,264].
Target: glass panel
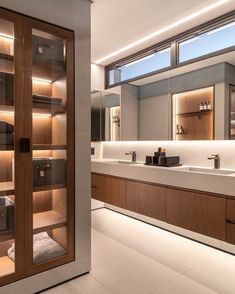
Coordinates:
[232,113]
[49,83]
[144,65]
[95,116]
[212,41]
[7,117]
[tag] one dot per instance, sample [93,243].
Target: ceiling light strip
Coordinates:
[163,30]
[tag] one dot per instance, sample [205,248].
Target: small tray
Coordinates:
[165,165]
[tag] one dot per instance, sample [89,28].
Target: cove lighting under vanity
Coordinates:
[191,202]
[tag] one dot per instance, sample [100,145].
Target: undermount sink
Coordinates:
[208,170]
[124,162]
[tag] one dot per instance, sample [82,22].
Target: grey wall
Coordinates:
[129,113]
[74,15]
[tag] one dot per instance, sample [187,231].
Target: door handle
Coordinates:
[25,145]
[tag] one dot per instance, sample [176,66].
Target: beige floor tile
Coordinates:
[171,250]
[82,285]
[216,271]
[125,271]
[183,285]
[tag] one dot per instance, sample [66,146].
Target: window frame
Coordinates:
[173,43]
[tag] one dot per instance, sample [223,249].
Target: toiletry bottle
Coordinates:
[201,107]
[181,130]
[161,158]
[205,106]
[156,155]
[177,130]
[208,105]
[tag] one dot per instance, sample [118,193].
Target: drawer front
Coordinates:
[231,210]
[146,199]
[197,212]
[94,193]
[231,233]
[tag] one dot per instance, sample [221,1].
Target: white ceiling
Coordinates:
[117,23]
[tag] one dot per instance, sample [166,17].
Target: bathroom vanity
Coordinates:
[195,202]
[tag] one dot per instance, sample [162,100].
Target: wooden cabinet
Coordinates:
[198,212]
[146,199]
[231,221]
[109,189]
[36,146]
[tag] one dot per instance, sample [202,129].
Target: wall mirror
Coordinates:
[105,116]
[195,101]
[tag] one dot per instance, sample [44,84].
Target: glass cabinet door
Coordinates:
[52,144]
[7,122]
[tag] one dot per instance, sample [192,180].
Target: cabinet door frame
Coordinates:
[29,25]
[19,158]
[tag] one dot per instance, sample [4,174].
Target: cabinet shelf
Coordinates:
[6,188]
[6,147]
[48,187]
[195,112]
[43,108]
[7,266]
[48,147]
[48,220]
[6,237]
[6,56]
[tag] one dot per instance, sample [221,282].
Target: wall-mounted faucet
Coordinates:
[133,153]
[216,159]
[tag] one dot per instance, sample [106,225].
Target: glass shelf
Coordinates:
[48,220]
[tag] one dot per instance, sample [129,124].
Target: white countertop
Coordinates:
[172,176]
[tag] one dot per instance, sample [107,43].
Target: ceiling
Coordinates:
[118,23]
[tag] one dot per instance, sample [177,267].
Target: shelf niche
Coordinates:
[196,124]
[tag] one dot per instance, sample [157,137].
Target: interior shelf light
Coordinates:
[41,80]
[6,36]
[41,114]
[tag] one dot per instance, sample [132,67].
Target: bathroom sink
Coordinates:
[124,162]
[208,170]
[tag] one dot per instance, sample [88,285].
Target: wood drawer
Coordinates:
[231,233]
[146,199]
[197,212]
[94,193]
[231,210]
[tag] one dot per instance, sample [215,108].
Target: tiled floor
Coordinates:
[131,257]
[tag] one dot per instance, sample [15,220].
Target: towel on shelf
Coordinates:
[6,139]
[46,99]
[6,128]
[44,248]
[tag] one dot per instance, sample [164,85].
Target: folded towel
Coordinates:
[44,248]
[6,139]
[6,127]
[46,99]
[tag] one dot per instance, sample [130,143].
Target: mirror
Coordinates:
[192,102]
[105,116]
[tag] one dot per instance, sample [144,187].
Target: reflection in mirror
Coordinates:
[172,104]
[105,116]
[193,114]
[232,112]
